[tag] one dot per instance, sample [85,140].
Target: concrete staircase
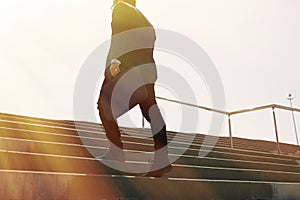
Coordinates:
[46,159]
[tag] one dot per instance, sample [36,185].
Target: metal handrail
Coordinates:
[265,107]
[229,114]
[251,109]
[192,105]
[287,108]
[233,112]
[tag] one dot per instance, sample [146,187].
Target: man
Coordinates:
[131,28]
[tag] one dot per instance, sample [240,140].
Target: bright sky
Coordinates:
[254,44]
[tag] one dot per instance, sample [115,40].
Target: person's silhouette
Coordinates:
[126,17]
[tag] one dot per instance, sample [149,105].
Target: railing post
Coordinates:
[143,122]
[276,129]
[230,131]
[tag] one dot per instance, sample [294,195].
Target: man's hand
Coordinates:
[114,69]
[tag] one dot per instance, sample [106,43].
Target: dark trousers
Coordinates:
[149,110]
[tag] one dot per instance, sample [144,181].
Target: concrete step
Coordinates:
[239,143]
[45,159]
[54,163]
[66,149]
[61,130]
[65,186]
[213,159]
[32,141]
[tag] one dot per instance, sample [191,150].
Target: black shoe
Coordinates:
[113,153]
[159,172]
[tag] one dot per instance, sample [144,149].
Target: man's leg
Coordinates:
[110,126]
[152,114]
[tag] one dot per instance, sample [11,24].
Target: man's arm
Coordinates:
[122,20]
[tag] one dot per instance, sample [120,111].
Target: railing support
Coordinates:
[276,129]
[295,126]
[143,122]
[230,131]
